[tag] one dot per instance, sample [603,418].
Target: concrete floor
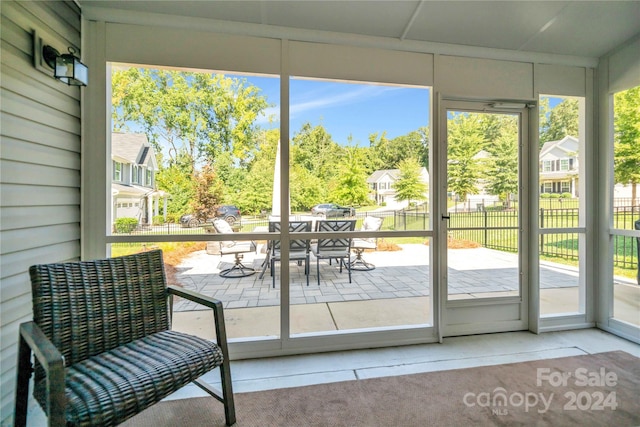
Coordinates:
[453,353]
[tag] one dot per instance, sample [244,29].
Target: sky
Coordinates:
[348,109]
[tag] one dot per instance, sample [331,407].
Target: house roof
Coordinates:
[133,148]
[560,144]
[377,175]
[394,174]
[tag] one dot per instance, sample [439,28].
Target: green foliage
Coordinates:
[566,196]
[125,225]
[199,115]
[207,195]
[409,186]
[545,195]
[626,146]
[388,153]
[350,187]
[465,141]
[306,189]
[314,149]
[158,220]
[502,166]
[176,180]
[554,195]
[558,122]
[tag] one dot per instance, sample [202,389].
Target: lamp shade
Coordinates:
[70,70]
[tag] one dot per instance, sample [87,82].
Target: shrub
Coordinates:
[383,204]
[545,196]
[158,220]
[126,224]
[555,195]
[566,196]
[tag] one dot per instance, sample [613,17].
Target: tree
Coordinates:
[558,122]
[314,149]
[627,139]
[198,115]
[390,152]
[350,186]
[409,186]
[176,179]
[208,193]
[502,166]
[465,141]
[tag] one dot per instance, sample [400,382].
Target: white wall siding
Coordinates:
[40,129]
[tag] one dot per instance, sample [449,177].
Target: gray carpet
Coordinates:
[606,388]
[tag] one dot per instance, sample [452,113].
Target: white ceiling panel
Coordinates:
[589,28]
[502,25]
[577,28]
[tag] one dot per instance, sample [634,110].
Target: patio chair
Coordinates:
[102,344]
[334,248]
[359,245]
[236,248]
[298,248]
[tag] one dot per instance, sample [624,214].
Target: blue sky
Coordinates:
[349,108]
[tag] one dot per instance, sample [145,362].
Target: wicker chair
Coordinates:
[103,346]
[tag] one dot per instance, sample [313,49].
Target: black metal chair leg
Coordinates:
[22,388]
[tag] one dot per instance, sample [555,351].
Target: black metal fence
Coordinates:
[490,228]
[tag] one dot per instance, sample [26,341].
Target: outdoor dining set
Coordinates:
[329,249]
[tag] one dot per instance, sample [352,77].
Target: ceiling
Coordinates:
[576,28]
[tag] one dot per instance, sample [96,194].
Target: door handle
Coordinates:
[446,217]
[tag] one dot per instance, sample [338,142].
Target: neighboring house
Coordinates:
[559,166]
[381,186]
[133,189]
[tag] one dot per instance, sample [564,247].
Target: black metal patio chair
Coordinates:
[298,248]
[102,345]
[338,248]
[360,244]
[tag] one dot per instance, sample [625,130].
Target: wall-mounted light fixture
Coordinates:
[67,67]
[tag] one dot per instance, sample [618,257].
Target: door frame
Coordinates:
[462,317]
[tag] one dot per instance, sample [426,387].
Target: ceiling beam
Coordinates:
[407,28]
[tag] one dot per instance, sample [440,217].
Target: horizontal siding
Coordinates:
[18,195]
[16,266]
[37,154]
[40,165]
[38,133]
[30,174]
[14,218]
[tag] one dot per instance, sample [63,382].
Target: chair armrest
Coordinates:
[52,362]
[210,302]
[43,349]
[214,304]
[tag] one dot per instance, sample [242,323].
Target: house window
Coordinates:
[564,164]
[548,187]
[565,187]
[149,180]
[547,166]
[117,171]
[136,174]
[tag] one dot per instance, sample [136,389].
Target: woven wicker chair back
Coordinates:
[88,307]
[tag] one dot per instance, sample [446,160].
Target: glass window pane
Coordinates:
[626,206]
[360,152]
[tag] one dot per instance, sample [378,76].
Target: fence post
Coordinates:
[486,224]
[541,235]
[637,227]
